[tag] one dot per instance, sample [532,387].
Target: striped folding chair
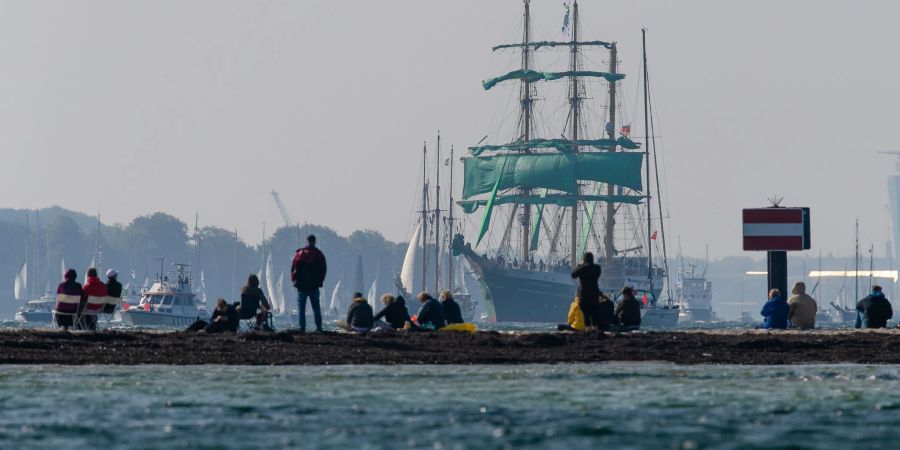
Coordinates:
[87,320]
[109,307]
[65,312]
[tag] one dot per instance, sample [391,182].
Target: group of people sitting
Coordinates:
[227,316]
[80,306]
[799,311]
[432,314]
[593,310]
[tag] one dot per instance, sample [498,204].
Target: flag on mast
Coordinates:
[566,28]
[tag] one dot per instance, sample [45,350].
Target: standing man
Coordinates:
[588,275]
[308,274]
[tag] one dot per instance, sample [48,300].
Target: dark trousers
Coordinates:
[313,297]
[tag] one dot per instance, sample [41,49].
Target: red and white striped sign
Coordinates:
[776,229]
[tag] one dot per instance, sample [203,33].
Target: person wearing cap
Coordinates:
[802,308]
[113,289]
[67,311]
[308,271]
[628,310]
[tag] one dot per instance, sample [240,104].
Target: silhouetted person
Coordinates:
[113,289]
[68,309]
[93,287]
[628,310]
[873,311]
[802,308]
[394,312]
[431,313]
[254,300]
[224,318]
[359,315]
[308,274]
[588,275]
[452,311]
[606,314]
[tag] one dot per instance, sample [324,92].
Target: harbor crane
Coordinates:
[282,210]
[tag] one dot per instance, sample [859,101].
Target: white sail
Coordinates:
[278,296]
[62,268]
[270,284]
[202,287]
[373,291]
[408,271]
[335,297]
[21,282]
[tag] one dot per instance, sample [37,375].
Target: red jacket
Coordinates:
[93,288]
[308,269]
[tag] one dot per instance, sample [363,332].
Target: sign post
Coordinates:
[776,230]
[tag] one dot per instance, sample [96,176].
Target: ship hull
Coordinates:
[34,316]
[145,318]
[699,314]
[518,295]
[659,317]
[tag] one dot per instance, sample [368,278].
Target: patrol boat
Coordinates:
[694,294]
[557,195]
[166,303]
[37,310]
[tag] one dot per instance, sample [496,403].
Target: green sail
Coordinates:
[536,223]
[539,44]
[534,75]
[563,145]
[559,172]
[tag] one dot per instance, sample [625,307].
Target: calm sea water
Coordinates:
[641,406]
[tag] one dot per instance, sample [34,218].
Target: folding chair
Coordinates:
[109,307]
[67,308]
[92,309]
[249,309]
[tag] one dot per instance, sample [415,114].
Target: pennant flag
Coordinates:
[653,236]
[566,29]
[626,130]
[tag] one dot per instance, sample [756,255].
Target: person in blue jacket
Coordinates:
[775,311]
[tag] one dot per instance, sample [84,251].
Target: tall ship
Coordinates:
[168,302]
[554,189]
[694,294]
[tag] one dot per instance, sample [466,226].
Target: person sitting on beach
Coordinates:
[359,315]
[605,318]
[802,308]
[254,299]
[113,289]
[575,318]
[431,313]
[93,287]
[873,311]
[775,311]
[588,275]
[224,318]
[628,310]
[452,312]
[67,311]
[394,313]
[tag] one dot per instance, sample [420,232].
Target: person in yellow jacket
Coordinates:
[576,318]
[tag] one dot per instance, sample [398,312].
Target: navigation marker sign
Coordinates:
[776,229]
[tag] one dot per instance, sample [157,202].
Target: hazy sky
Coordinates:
[125,108]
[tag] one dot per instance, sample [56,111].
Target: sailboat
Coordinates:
[335,307]
[561,196]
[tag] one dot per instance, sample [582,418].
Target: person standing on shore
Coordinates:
[802,308]
[588,275]
[775,311]
[873,311]
[308,274]
[65,311]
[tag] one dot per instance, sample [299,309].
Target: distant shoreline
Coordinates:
[290,348]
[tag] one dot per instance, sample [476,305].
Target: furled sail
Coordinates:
[470,206]
[534,75]
[21,282]
[563,145]
[555,171]
[537,45]
[407,272]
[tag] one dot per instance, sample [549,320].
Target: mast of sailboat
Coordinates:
[611,131]
[450,226]
[647,156]
[575,104]
[856,261]
[424,212]
[99,251]
[526,124]
[871,265]
[27,249]
[197,244]
[437,215]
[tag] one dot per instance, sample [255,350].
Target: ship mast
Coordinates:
[437,216]
[424,212]
[608,243]
[647,157]
[526,125]
[575,102]
[450,227]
